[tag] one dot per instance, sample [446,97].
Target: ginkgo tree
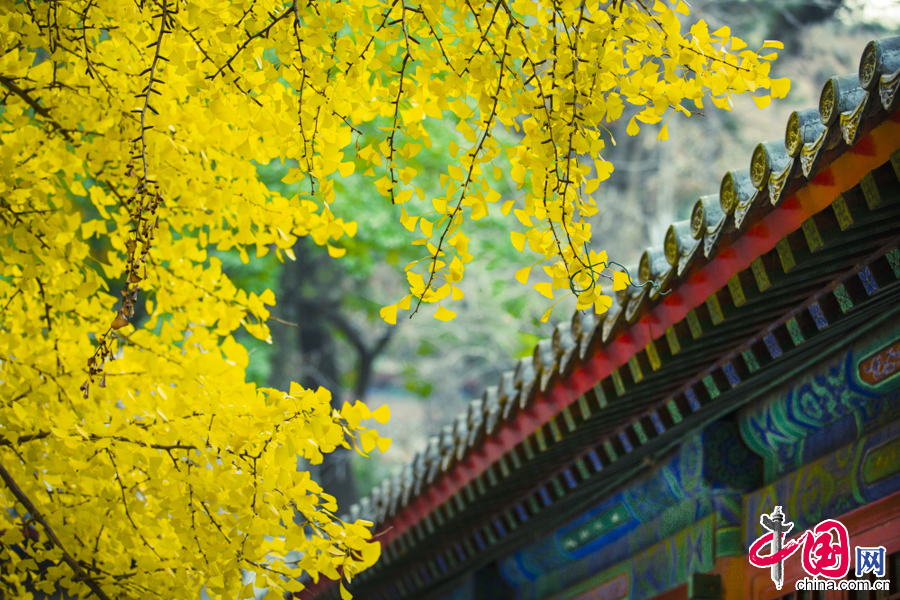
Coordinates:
[136,459]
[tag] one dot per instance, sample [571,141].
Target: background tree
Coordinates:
[132,443]
[328,332]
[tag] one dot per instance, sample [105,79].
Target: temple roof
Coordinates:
[791,255]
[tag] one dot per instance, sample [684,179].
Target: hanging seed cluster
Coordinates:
[143,205]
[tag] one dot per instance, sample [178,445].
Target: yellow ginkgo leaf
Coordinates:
[781,87]
[544,288]
[443,314]
[368,439]
[633,127]
[382,414]
[663,133]
[518,240]
[346,169]
[389,314]
[762,101]
[522,275]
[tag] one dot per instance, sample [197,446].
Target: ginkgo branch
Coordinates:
[36,107]
[37,516]
[487,134]
[264,32]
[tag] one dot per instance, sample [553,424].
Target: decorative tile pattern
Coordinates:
[514,458]
[868,281]
[610,451]
[880,367]
[567,417]
[635,367]
[694,324]
[480,485]
[691,395]
[545,496]
[554,430]
[715,309]
[711,387]
[595,460]
[653,356]
[657,423]
[893,258]
[818,316]
[570,479]
[584,408]
[617,382]
[737,292]
[504,467]
[540,439]
[460,553]
[731,374]
[785,254]
[673,411]
[813,237]
[582,468]
[451,558]
[843,298]
[760,275]
[450,511]
[640,433]
[672,338]
[839,481]
[750,360]
[870,191]
[602,400]
[528,448]
[772,345]
[491,477]
[558,489]
[842,212]
[794,330]
[479,541]
[491,538]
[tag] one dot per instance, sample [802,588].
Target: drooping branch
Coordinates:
[35,514]
[145,206]
[261,33]
[465,187]
[36,107]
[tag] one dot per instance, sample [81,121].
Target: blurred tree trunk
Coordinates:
[311,290]
[308,353]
